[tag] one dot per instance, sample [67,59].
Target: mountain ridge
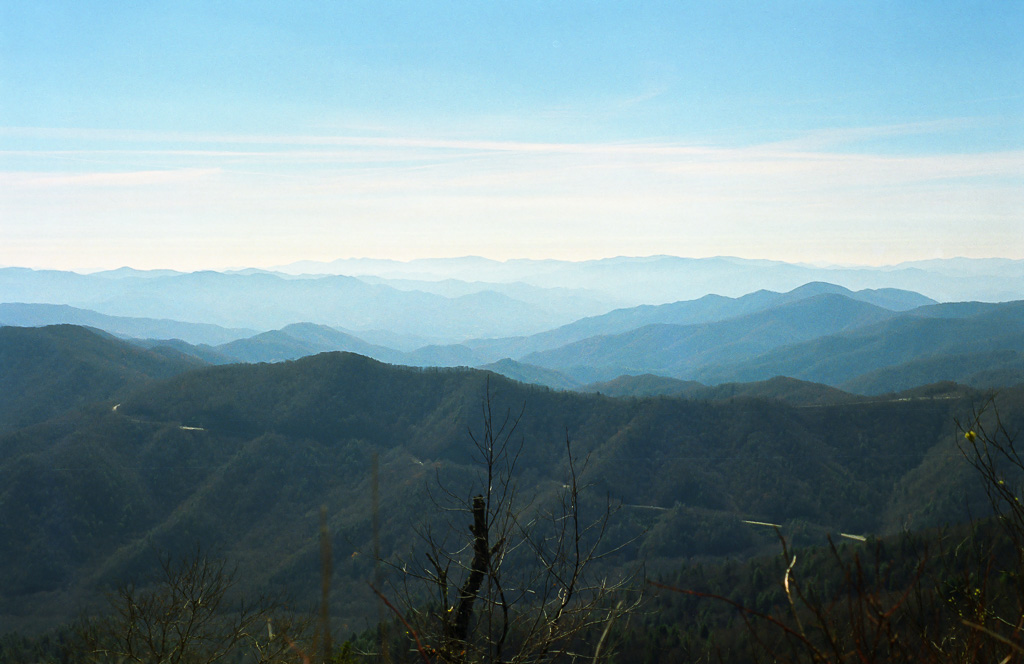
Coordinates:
[679,350]
[241,457]
[21,314]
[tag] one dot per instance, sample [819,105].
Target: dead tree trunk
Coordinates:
[457,629]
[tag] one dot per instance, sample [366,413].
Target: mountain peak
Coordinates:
[820,287]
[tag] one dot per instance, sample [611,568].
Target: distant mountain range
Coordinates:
[446,301]
[966,345]
[662,279]
[263,301]
[34,315]
[871,341]
[707,309]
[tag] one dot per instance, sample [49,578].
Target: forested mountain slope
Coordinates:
[241,457]
[788,390]
[49,370]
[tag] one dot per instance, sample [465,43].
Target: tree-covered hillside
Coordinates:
[46,371]
[242,457]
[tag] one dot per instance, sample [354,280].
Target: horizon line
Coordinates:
[282,267]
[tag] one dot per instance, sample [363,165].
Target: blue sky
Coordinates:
[206,134]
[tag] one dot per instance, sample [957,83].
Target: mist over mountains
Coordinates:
[452,300]
[538,329]
[662,279]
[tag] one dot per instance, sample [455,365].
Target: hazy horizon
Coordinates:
[292,267]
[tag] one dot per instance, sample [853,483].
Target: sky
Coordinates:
[206,135]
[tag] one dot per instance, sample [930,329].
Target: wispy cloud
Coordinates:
[839,136]
[418,195]
[198,151]
[454,165]
[105,179]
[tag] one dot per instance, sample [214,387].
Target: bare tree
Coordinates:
[521,586]
[991,447]
[188,617]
